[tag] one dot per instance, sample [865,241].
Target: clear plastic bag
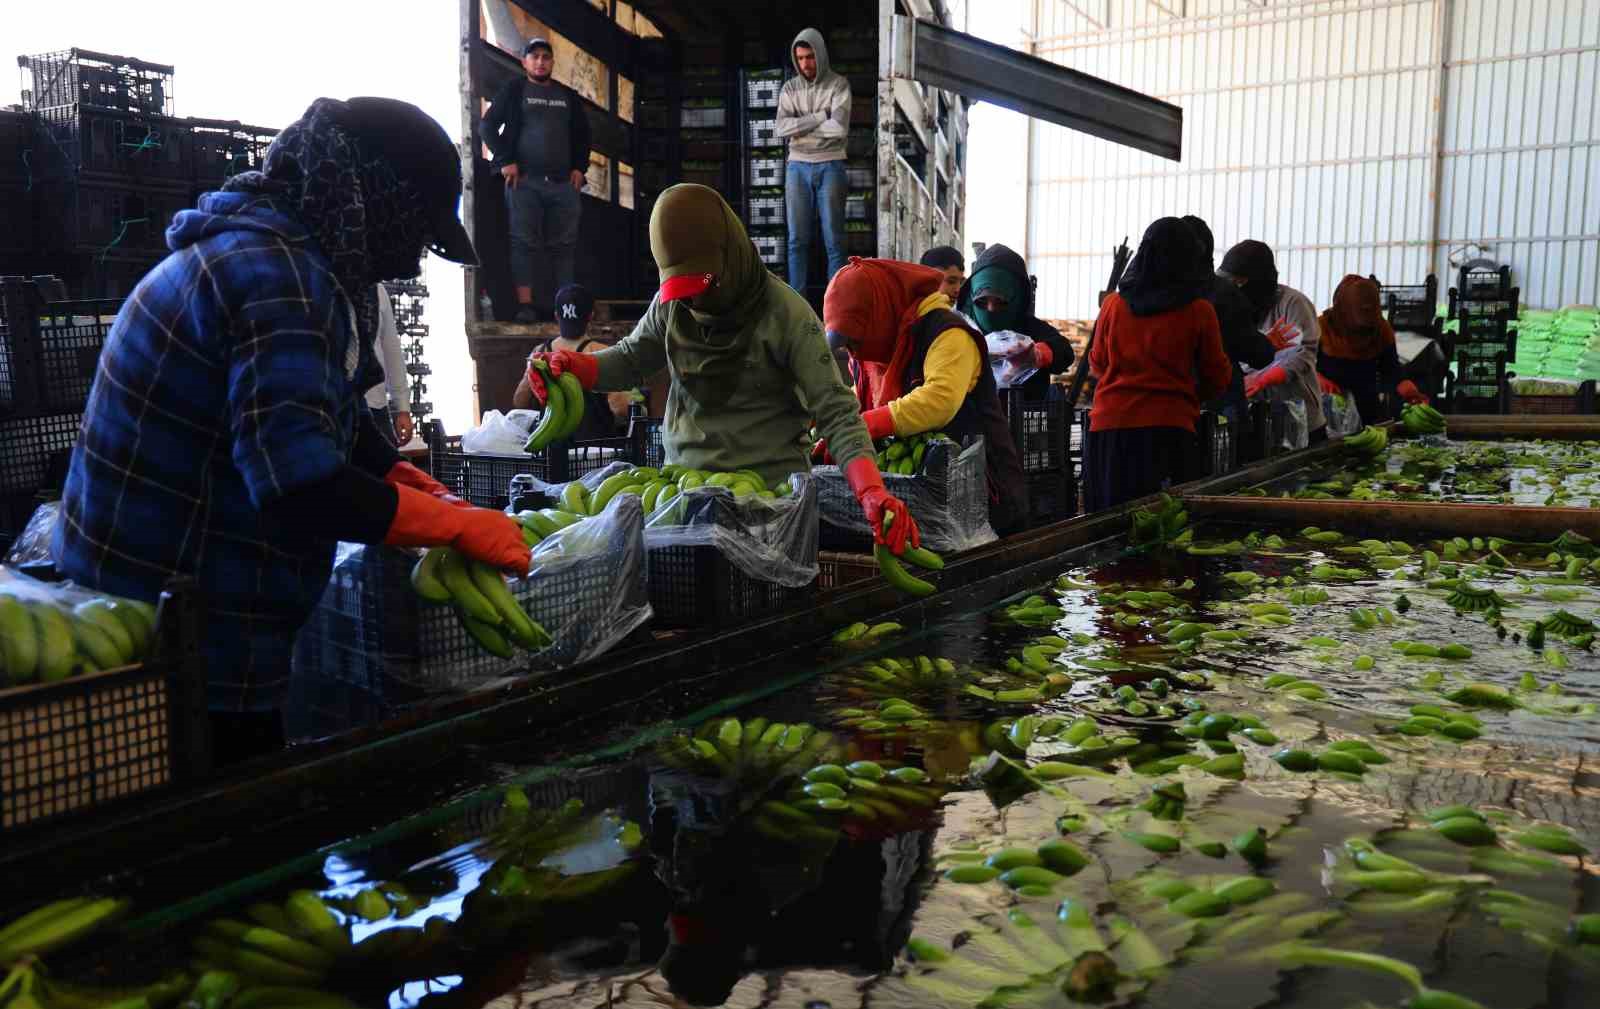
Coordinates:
[949,498]
[586,587]
[1343,417]
[769,539]
[1293,432]
[498,434]
[52,630]
[1010,358]
[31,548]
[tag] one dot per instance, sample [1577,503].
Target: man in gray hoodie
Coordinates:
[814,116]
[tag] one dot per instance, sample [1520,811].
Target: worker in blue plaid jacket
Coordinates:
[226,438]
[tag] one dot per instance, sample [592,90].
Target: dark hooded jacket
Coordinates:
[1024,321]
[1241,340]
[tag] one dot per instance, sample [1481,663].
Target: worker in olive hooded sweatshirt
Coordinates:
[999,296]
[749,365]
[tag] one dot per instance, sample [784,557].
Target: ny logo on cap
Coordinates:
[569,311]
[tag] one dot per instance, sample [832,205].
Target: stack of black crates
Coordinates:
[108,165]
[1040,429]
[409,298]
[764,162]
[49,349]
[1483,304]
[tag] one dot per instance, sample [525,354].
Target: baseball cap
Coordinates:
[421,152]
[574,305]
[538,42]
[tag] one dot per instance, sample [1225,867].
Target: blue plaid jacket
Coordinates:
[228,378]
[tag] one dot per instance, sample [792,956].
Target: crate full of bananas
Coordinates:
[944,484]
[401,622]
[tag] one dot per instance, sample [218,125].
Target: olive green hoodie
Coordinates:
[749,363]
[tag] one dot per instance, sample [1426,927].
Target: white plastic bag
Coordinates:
[497,435]
[1010,357]
[1343,417]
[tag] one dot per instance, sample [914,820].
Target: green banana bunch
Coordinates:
[1422,419]
[1165,523]
[1370,441]
[755,749]
[563,409]
[828,793]
[895,573]
[482,599]
[43,641]
[296,943]
[903,456]
[56,925]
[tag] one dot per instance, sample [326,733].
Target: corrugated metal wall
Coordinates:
[1313,126]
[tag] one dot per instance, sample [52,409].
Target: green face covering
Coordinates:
[1002,283]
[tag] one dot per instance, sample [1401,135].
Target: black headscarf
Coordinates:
[1162,275]
[370,223]
[1253,261]
[1208,248]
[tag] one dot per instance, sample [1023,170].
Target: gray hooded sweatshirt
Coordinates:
[814,115]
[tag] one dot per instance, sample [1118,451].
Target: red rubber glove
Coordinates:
[403,474]
[483,534]
[820,453]
[1256,381]
[1410,393]
[1042,356]
[1282,334]
[876,502]
[1329,386]
[583,366]
[880,423]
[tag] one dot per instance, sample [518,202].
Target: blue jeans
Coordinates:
[810,189]
[544,227]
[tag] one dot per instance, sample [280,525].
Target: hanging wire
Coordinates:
[122,231]
[151,141]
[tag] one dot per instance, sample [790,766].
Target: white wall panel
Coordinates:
[1312,125]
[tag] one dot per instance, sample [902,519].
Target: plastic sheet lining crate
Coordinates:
[836,570]
[1412,307]
[82,138]
[766,172]
[485,479]
[695,586]
[765,212]
[370,630]
[772,248]
[72,76]
[1579,401]
[1039,431]
[90,740]
[949,498]
[48,349]
[762,133]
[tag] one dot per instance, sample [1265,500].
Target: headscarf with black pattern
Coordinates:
[370,223]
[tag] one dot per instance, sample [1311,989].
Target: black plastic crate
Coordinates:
[19,234]
[645,435]
[34,454]
[1411,308]
[48,349]
[1482,280]
[17,139]
[1039,431]
[1478,384]
[225,148]
[83,138]
[108,214]
[693,586]
[1052,497]
[485,480]
[74,76]
[1218,451]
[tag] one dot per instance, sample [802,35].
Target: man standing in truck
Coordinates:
[539,135]
[814,116]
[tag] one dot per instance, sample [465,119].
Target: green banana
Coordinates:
[925,559]
[553,420]
[313,920]
[55,925]
[541,523]
[575,498]
[562,519]
[896,574]
[96,644]
[573,396]
[425,577]
[371,904]
[273,943]
[19,645]
[58,659]
[608,490]
[453,572]
[99,613]
[213,990]
[139,619]
[515,620]
[254,964]
[487,636]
